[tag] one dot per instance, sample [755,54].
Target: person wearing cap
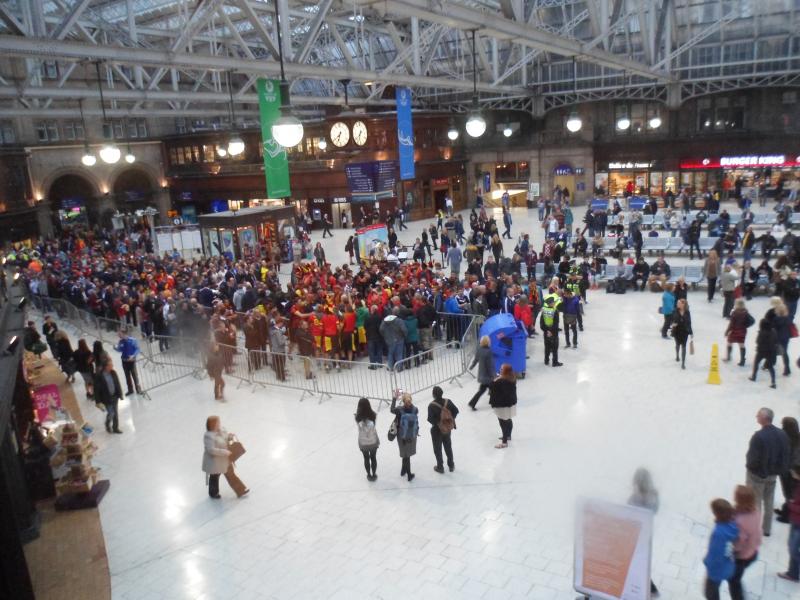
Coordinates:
[548,322]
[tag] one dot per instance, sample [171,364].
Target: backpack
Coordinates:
[409,426]
[367,436]
[446,420]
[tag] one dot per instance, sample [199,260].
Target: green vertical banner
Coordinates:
[276,164]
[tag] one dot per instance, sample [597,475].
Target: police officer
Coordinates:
[548,321]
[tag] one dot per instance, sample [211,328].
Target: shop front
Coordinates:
[248,232]
[619,178]
[737,175]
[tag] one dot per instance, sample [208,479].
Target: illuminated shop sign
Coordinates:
[746,161]
[629,165]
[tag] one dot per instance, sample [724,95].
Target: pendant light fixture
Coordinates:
[655,121]
[452,133]
[624,121]
[129,157]
[287,129]
[476,124]
[88,159]
[323,144]
[109,152]
[507,131]
[574,122]
[235,144]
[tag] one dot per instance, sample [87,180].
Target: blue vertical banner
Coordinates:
[405,133]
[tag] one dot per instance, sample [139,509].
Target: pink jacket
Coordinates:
[749,534]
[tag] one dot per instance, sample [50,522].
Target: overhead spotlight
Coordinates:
[221,152]
[655,122]
[476,124]
[452,133]
[110,154]
[574,122]
[507,131]
[623,123]
[235,146]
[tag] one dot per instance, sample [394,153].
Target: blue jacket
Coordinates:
[572,306]
[129,348]
[451,306]
[719,559]
[667,303]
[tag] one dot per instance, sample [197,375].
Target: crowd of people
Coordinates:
[390,314]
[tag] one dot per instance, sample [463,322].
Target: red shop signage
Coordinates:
[742,161]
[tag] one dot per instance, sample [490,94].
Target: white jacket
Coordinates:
[215,456]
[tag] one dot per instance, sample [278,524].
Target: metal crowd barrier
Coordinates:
[166,359]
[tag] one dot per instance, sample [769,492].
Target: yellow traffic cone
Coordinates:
[713,371]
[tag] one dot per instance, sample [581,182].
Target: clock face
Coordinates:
[340,134]
[360,133]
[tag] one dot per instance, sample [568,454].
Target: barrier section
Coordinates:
[443,365]
[353,379]
[283,370]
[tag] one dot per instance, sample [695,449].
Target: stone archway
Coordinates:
[73,198]
[134,188]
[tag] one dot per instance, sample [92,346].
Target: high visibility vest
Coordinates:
[548,314]
[556,298]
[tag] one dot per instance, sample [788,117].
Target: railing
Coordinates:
[166,359]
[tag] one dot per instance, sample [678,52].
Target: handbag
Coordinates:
[236,449]
[691,346]
[392,430]
[793,333]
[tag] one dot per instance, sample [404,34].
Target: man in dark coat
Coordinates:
[486,369]
[108,392]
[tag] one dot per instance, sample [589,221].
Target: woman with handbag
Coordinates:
[218,458]
[681,330]
[503,399]
[368,440]
[736,332]
[778,317]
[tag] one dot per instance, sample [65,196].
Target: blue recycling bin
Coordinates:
[507,341]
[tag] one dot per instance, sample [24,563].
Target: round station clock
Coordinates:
[340,134]
[360,133]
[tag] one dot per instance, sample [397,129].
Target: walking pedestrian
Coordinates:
[548,321]
[215,364]
[727,282]
[719,558]
[736,331]
[667,308]
[407,427]
[368,440]
[484,358]
[108,393]
[217,459]
[503,399]
[711,272]
[766,350]
[745,549]
[442,415]
[793,574]
[767,457]
[790,428]
[645,495]
[84,363]
[326,226]
[682,330]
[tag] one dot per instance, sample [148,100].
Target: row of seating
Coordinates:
[693,274]
[668,244]
[658,220]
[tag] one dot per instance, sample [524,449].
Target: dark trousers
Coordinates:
[680,348]
[481,389]
[550,347]
[279,364]
[692,245]
[735,582]
[213,485]
[787,486]
[571,326]
[637,278]
[712,589]
[727,306]
[375,351]
[370,460]
[769,362]
[439,440]
[712,288]
[326,231]
[112,415]
[665,326]
[506,425]
[406,470]
[131,376]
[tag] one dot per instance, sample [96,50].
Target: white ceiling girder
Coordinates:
[50,49]
[493,25]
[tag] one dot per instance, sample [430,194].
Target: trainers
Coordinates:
[788,577]
[438,469]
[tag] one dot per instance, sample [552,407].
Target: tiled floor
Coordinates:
[499,527]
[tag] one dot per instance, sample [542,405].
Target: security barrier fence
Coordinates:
[166,359]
